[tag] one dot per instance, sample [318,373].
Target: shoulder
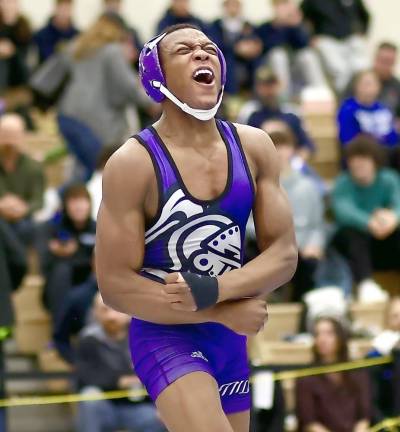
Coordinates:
[31,164]
[129,168]
[112,50]
[259,147]
[343,179]
[348,104]
[388,175]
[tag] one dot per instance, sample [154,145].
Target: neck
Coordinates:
[61,23]
[329,358]
[178,125]
[9,160]
[117,336]
[366,102]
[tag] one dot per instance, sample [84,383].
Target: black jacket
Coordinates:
[336,18]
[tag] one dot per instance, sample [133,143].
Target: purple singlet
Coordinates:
[204,237]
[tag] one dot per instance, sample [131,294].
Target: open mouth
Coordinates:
[204,76]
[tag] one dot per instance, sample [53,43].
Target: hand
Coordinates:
[63,249]
[177,293]
[7,48]
[245,317]
[248,48]
[362,426]
[13,208]
[382,223]
[128,381]
[313,252]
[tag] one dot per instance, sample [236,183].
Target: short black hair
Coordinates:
[365,145]
[172,29]
[283,138]
[387,45]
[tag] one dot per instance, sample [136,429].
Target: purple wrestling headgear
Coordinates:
[154,82]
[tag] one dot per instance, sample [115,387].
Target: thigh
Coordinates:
[240,422]
[192,403]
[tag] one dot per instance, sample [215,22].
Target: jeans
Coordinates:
[81,142]
[106,416]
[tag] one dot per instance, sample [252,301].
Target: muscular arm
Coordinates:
[274,226]
[120,242]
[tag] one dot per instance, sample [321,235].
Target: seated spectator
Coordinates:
[92,108]
[65,246]
[15,38]
[285,37]
[103,363]
[308,213]
[335,402]
[241,47]
[339,28]
[13,267]
[366,206]
[382,377]
[179,13]
[73,316]
[364,114]
[384,67]
[267,106]
[95,184]
[21,179]
[57,31]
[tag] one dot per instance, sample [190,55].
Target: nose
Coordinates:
[201,55]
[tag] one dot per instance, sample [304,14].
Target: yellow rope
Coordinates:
[120,394]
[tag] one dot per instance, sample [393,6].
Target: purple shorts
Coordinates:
[163,353]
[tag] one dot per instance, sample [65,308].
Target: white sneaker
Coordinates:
[370,292]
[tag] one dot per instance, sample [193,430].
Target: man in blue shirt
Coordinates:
[59,29]
[285,39]
[267,107]
[179,13]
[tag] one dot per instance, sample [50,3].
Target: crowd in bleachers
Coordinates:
[347,227]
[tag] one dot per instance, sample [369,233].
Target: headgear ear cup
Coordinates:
[151,73]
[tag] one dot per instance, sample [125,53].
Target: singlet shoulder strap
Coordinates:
[241,169]
[162,166]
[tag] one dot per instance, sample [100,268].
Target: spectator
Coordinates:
[74,315]
[95,183]
[241,47]
[338,402]
[384,67]
[286,35]
[364,114]
[382,377]
[57,31]
[15,38]
[308,213]
[267,106]
[13,267]
[179,13]
[134,43]
[103,363]
[65,245]
[21,179]
[366,206]
[101,86]
[338,28]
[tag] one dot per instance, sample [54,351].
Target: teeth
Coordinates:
[202,71]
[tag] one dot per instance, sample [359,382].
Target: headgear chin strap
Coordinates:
[154,82]
[200,114]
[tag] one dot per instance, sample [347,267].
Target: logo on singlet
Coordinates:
[235,387]
[198,354]
[198,241]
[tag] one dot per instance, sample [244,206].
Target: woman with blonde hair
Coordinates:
[101,84]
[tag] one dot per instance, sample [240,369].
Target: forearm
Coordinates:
[270,270]
[316,427]
[143,298]
[362,426]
